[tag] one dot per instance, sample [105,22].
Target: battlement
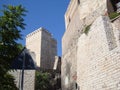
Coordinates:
[38,30]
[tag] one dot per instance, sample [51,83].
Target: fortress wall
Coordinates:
[69,46]
[69,67]
[116,30]
[88,7]
[98,65]
[72,33]
[29,79]
[77,17]
[75,26]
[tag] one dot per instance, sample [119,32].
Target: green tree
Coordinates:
[42,81]
[11,24]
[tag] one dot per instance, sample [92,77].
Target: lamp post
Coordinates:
[22,77]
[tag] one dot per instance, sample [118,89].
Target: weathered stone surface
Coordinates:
[29,79]
[116,30]
[89,6]
[89,61]
[44,46]
[97,64]
[69,67]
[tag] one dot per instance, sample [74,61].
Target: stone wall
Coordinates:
[69,42]
[29,79]
[98,57]
[87,7]
[48,50]
[77,18]
[116,30]
[69,67]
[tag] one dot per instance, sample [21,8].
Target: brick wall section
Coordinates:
[98,67]
[116,29]
[29,79]
[77,17]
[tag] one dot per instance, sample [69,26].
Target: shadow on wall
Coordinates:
[26,59]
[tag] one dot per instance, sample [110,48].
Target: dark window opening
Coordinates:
[76,86]
[78,1]
[69,19]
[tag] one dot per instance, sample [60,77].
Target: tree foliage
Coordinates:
[8,83]
[11,24]
[42,81]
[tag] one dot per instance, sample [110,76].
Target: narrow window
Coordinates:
[69,19]
[78,1]
[76,86]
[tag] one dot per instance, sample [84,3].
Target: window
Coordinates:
[78,1]
[69,19]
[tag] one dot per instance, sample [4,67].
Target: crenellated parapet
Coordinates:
[38,30]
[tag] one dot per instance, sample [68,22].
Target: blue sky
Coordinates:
[43,13]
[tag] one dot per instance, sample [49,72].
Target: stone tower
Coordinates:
[44,46]
[90,46]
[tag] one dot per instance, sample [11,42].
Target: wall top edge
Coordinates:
[38,30]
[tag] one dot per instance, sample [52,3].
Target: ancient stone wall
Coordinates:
[116,30]
[79,15]
[48,50]
[69,67]
[29,79]
[88,7]
[98,57]
[69,42]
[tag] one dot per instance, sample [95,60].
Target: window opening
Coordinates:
[78,1]
[69,19]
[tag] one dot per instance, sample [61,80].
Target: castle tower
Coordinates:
[44,46]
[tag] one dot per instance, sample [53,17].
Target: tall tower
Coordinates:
[44,46]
